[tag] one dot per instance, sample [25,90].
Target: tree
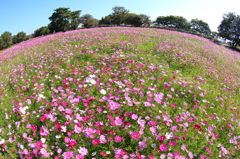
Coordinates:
[107,20]
[235,31]
[171,21]
[133,20]
[88,21]
[200,26]
[63,20]
[214,34]
[21,36]
[7,39]
[1,43]
[74,21]
[44,30]
[145,20]
[119,15]
[229,29]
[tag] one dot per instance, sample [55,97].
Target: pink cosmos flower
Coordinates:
[82,151]
[44,152]
[89,131]
[134,116]
[102,139]
[79,157]
[117,138]
[147,104]
[176,154]
[43,131]
[118,121]
[113,105]
[163,147]
[151,123]
[68,154]
[183,147]
[68,111]
[190,119]
[135,135]
[77,129]
[35,151]
[202,156]
[67,139]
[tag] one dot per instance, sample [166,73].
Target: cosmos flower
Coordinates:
[102,91]
[163,147]
[83,151]
[135,135]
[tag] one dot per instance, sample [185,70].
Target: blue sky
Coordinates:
[29,15]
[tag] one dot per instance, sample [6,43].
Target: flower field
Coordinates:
[131,93]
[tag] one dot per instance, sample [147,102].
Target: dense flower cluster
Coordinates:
[119,93]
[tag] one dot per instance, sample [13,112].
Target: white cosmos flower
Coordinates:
[2,141]
[41,96]
[64,128]
[88,79]
[58,136]
[56,76]
[92,81]
[43,140]
[168,136]
[102,91]
[21,146]
[23,109]
[92,76]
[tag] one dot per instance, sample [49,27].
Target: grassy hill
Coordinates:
[119,93]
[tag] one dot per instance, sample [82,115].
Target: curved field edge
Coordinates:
[155,83]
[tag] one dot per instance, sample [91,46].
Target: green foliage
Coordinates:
[133,20]
[214,34]
[200,27]
[1,43]
[145,20]
[229,29]
[74,21]
[119,15]
[88,21]
[44,30]
[107,20]
[21,36]
[63,20]
[6,39]
[129,19]
[173,22]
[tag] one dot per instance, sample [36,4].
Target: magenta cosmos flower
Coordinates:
[117,138]
[38,144]
[34,127]
[135,135]
[172,143]
[73,143]
[163,147]
[95,142]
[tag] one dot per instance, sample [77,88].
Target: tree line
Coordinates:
[63,19]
